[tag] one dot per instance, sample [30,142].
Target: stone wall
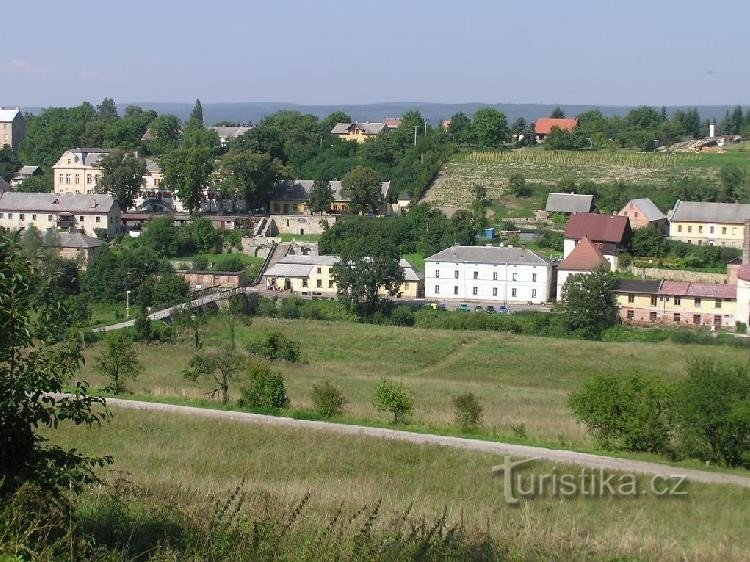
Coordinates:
[300,224]
[678,275]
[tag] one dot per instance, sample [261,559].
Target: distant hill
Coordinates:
[253,112]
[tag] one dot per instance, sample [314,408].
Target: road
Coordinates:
[553,455]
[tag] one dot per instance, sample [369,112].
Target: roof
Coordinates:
[230,132]
[637,286]
[598,228]
[87,156]
[366,127]
[694,211]
[488,255]
[392,122]
[299,190]
[584,257]
[7,114]
[152,166]
[545,125]
[410,272]
[56,202]
[302,266]
[309,260]
[687,289]
[569,203]
[27,171]
[288,270]
[647,208]
[75,240]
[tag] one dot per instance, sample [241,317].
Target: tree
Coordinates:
[468,411]
[479,203]
[460,128]
[36,184]
[122,177]
[588,303]
[266,389]
[328,400]
[518,186]
[250,176]
[276,345]
[490,128]
[164,135]
[362,185]
[734,183]
[221,367]
[557,113]
[648,242]
[321,196]
[9,162]
[393,397]
[187,172]
[197,113]
[118,361]
[107,110]
[31,372]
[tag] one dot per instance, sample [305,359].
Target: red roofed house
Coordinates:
[584,258]
[544,126]
[610,234]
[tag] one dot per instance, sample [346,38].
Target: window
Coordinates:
[476,275]
[49,218]
[21,216]
[690,228]
[676,318]
[711,229]
[78,179]
[717,321]
[33,217]
[494,291]
[679,228]
[697,302]
[515,276]
[304,282]
[700,228]
[631,298]
[80,218]
[330,283]
[88,178]
[60,179]
[533,293]
[723,229]
[455,274]
[1,215]
[630,314]
[677,301]
[718,303]
[653,301]
[319,270]
[513,292]
[99,219]
[319,283]
[533,277]
[696,319]
[474,291]
[437,289]
[10,215]
[67,179]
[437,274]
[455,289]
[652,316]
[494,275]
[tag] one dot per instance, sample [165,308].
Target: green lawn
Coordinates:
[417,260]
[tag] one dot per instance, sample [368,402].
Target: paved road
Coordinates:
[561,456]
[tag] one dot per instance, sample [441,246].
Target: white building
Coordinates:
[77,170]
[488,274]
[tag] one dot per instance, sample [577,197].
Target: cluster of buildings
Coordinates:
[361,131]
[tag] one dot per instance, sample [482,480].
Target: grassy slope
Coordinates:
[522,382]
[179,460]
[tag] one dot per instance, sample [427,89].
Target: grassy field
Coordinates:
[546,168]
[180,462]
[523,382]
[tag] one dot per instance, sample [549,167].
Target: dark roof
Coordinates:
[75,240]
[647,208]
[598,228]
[637,286]
[569,203]
[489,255]
[56,202]
[695,211]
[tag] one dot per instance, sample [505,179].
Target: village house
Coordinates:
[392,122]
[229,133]
[569,203]
[291,197]
[23,174]
[313,275]
[206,280]
[12,126]
[488,274]
[610,234]
[77,170]
[54,211]
[584,259]
[358,132]
[76,246]
[643,213]
[712,224]
[543,126]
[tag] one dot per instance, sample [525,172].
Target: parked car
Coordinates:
[463,307]
[502,309]
[490,309]
[479,308]
[436,306]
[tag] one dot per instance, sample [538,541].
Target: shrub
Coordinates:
[402,315]
[518,186]
[631,412]
[228,262]
[200,263]
[393,397]
[740,327]
[267,307]
[276,345]
[329,401]
[266,389]
[468,411]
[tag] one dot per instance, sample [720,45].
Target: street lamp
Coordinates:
[127,304]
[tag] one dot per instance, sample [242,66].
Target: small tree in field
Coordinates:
[119,361]
[395,398]
[588,303]
[266,389]
[468,411]
[221,367]
[328,400]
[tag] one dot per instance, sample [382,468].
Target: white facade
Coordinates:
[501,275]
[569,245]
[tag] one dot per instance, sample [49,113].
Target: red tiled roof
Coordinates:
[584,257]
[708,290]
[598,228]
[544,125]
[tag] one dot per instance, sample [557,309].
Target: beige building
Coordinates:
[76,246]
[12,126]
[77,170]
[358,132]
[709,224]
[291,197]
[53,211]
[643,213]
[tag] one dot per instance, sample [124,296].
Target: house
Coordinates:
[488,274]
[12,126]
[291,197]
[392,122]
[76,246]
[228,133]
[69,211]
[569,203]
[713,224]
[23,174]
[203,280]
[584,259]
[358,132]
[77,170]
[543,126]
[313,275]
[676,303]
[642,213]
[609,233]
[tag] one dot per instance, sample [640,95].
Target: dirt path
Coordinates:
[561,456]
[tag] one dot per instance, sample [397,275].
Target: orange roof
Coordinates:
[584,257]
[544,125]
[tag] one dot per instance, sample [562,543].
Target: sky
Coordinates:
[604,52]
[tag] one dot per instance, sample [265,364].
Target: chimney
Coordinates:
[712,130]
[746,243]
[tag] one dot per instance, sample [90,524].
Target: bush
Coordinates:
[228,262]
[329,401]
[740,327]
[402,315]
[468,411]
[395,398]
[276,345]
[267,307]
[518,186]
[266,390]
[630,412]
[200,263]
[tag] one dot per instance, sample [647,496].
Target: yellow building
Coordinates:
[358,132]
[76,246]
[313,275]
[709,224]
[291,197]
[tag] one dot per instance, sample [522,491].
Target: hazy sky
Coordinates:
[359,51]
